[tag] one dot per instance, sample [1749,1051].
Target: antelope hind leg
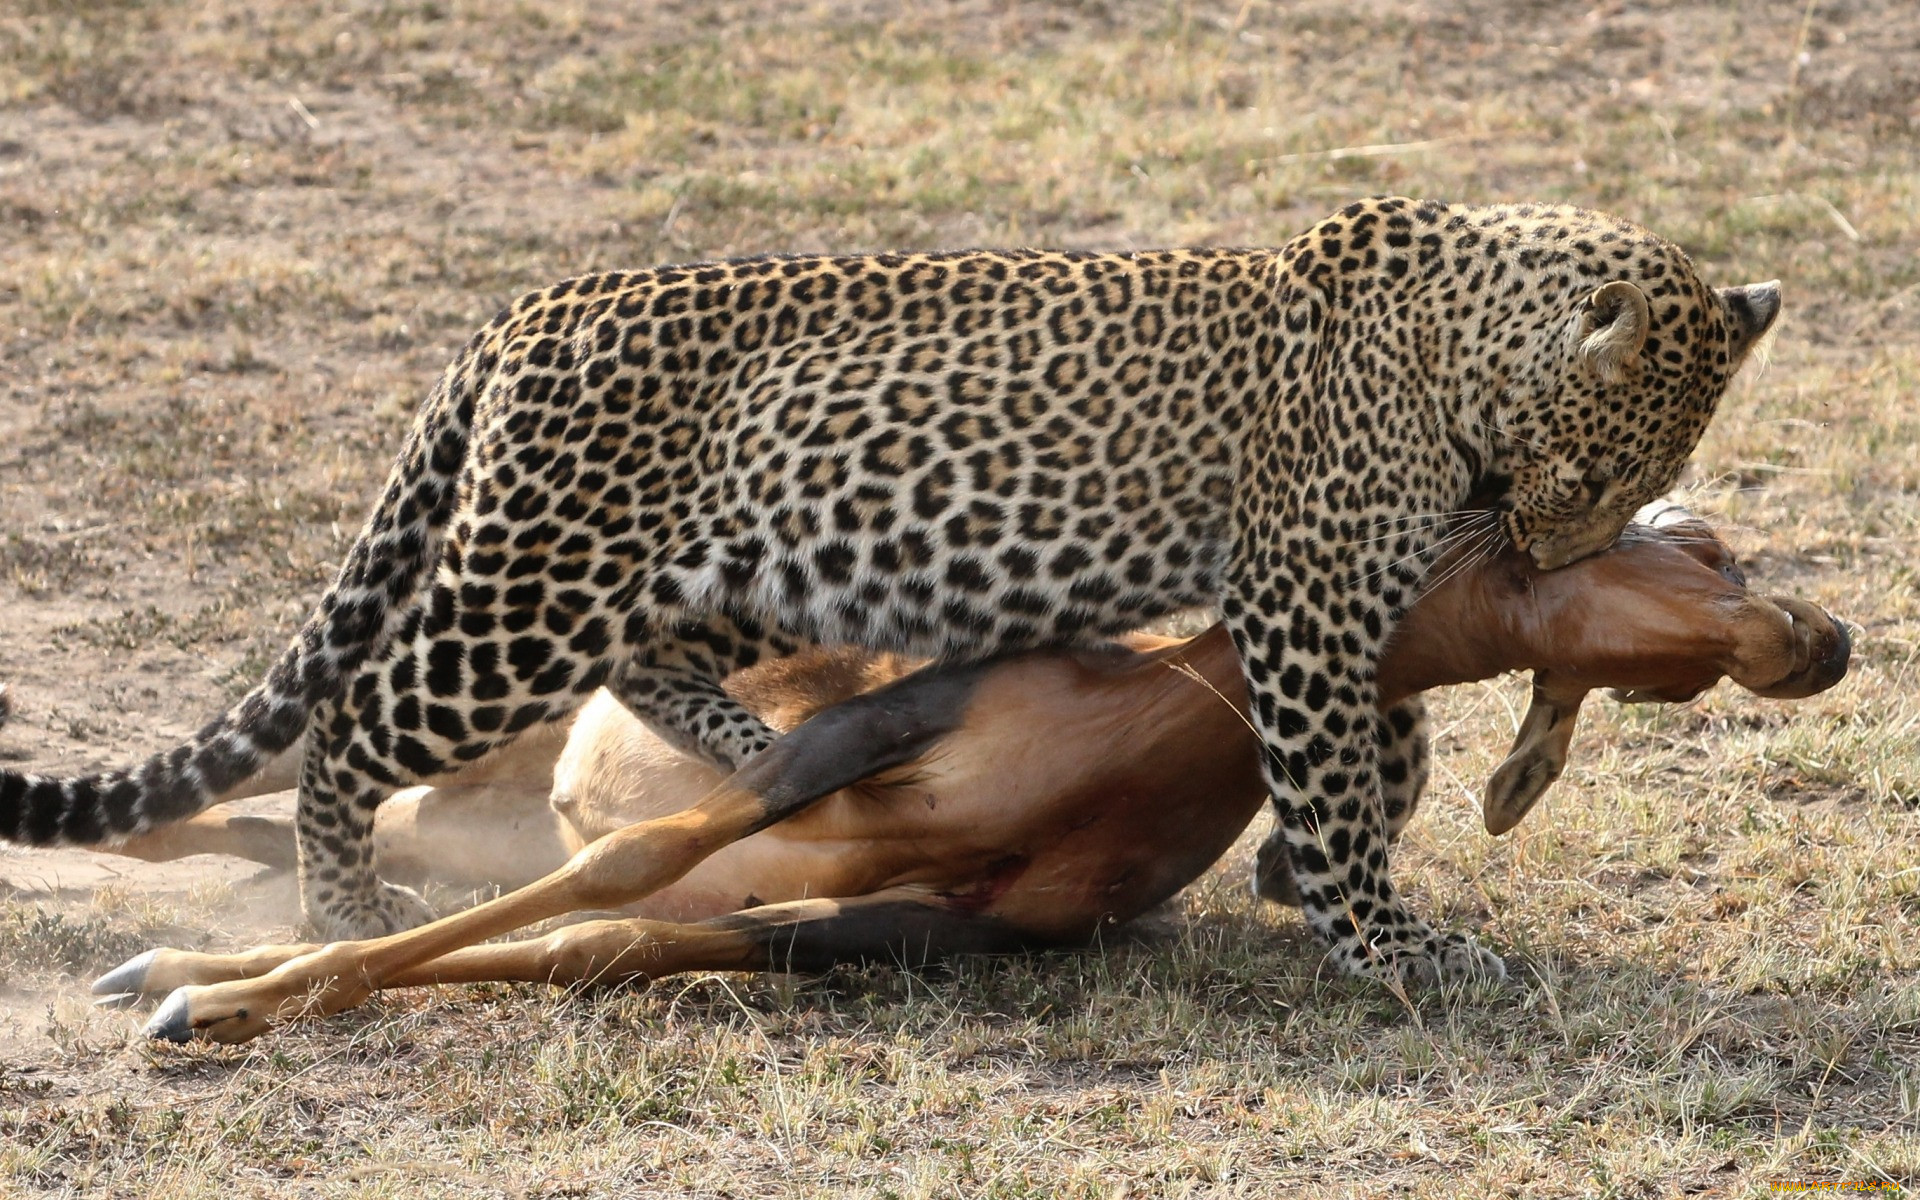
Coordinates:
[154,973]
[474,835]
[840,746]
[229,993]
[265,840]
[903,925]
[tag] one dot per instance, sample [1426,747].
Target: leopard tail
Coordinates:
[386,569]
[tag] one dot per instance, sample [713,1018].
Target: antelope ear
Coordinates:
[1750,313]
[1613,328]
[1538,756]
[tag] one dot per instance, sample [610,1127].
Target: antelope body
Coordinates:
[914,814]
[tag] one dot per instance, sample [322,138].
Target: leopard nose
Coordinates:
[1548,556]
[1560,549]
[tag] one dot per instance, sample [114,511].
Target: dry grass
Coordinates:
[239,240]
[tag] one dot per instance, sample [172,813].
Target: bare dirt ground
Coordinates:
[237,241]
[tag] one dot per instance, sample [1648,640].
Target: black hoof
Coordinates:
[129,976]
[172,1023]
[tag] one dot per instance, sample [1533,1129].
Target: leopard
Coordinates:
[650,479]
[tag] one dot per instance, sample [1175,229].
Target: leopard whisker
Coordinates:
[1472,516]
[1490,544]
[1438,550]
[1426,517]
[1511,436]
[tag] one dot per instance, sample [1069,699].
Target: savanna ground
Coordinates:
[240,239]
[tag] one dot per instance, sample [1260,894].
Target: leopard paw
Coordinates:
[1433,960]
[391,909]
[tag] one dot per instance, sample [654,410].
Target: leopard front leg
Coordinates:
[1400,742]
[1308,652]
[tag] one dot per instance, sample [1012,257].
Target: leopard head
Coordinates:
[1619,384]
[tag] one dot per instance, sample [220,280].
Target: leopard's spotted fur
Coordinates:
[650,478]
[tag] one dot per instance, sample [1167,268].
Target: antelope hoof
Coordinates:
[126,980]
[181,1019]
[1538,756]
[173,1022]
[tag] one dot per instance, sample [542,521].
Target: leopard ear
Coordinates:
[1750,313]
[1613,328]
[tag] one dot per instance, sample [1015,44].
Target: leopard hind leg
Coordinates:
[673,684]
[439,697]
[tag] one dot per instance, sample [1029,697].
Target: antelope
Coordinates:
[914,814]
